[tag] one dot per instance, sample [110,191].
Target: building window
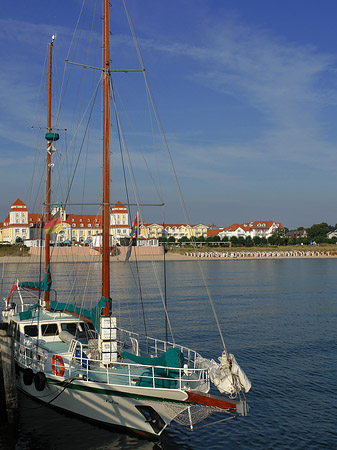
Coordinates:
[89,224]
[74,225]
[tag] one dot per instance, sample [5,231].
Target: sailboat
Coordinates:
[81,361]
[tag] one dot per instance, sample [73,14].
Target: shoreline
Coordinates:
[188,256]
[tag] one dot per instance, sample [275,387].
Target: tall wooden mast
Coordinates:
[49,166]
[106,158]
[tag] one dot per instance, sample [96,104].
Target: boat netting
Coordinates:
[193,414]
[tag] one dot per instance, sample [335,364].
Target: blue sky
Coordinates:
[246,90]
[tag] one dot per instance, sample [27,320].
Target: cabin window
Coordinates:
[70,327]
[49,329]
[31,330]
[76,329]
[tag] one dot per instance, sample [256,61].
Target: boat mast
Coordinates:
[106,159]
[49,166]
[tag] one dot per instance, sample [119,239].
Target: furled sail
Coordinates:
[93,314]
[227,376]
[43,285]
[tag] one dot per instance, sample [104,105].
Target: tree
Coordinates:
[257,240]
[171,240]
[234,241]
[318,229]
[241,241]
[321,239]
[249,242]
[18,240]
[183,240]
[272,240]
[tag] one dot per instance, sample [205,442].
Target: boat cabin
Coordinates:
[46,329]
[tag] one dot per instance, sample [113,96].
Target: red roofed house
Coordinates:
[261,228]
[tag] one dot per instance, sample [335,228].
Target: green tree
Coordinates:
[272,240]
[249,242]
[241,241]
[318,229]
[257,240]
[183,240]
[234,241]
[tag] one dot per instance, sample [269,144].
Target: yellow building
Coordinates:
[154,230]
[16,226]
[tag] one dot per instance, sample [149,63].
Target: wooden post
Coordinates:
[8,376]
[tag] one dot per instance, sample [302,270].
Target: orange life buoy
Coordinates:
[57,365]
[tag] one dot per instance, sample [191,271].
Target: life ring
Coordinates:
[57,367]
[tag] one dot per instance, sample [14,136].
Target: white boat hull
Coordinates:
[121,406]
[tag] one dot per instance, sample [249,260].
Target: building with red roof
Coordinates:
[20,224]
[260,228]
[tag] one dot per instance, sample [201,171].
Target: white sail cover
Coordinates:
[227,376]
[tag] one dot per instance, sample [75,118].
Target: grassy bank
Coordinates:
[13,250]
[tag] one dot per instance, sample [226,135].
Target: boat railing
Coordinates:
[30,355]
[77,365]
[132,374]
[124,372]
[156,347]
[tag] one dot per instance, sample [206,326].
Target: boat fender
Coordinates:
[57,365]
[40,381]
[28,376]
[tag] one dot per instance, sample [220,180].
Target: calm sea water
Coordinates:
[279,318]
